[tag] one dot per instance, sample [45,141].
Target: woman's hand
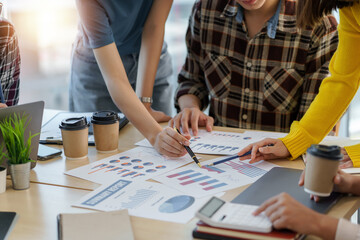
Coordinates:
[346,161]
[170,143]
[158,115]
[266,149]
[343,182]
[286,213]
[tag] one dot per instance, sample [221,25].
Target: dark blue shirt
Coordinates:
[106,21]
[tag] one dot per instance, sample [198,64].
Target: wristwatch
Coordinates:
[146,99]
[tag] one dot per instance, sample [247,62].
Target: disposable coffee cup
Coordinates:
[321,167]
[74,132]
[106,131]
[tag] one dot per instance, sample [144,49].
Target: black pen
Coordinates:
[191,153]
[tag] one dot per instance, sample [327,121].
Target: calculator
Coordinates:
[219,213]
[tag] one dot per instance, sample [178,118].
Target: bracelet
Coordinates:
[146,99]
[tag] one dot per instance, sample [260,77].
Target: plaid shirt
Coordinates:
[9,63]
[261,83]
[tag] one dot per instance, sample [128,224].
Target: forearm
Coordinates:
[325,227]
[151,44]
[150,52]
[122,94]
[189,101]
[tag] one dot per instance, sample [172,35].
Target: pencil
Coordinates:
[229,158]
[191,153]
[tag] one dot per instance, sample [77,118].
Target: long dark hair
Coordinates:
[310,12]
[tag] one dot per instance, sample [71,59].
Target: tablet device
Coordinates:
[279,180]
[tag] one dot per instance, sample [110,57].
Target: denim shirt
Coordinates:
[272,23]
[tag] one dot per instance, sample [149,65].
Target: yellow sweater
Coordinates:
[336,91]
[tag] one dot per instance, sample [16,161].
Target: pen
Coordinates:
[229,158]
[191,153]
[233,157]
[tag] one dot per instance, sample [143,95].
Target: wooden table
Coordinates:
[52,192]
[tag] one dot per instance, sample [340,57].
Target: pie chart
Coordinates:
[176,204]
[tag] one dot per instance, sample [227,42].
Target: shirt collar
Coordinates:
[282,19]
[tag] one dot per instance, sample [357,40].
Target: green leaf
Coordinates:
[13,131]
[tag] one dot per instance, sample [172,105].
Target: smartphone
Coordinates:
[45,152]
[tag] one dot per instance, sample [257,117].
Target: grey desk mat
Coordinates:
[279,180]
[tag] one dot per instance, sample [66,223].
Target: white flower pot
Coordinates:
[2,179]
[20,175]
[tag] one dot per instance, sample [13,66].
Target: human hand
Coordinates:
[170,143]
[342,181]
[285,212]
[157,115]
[193,116]
[266,149]
[346,162]
[3,105]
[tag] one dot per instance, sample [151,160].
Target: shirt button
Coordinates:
[247,90]
[244,117]
[249,64]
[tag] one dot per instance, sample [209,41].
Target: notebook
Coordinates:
[7,222]
[98,225]
[51,134]
[35,112]
[205,231]
[279,180]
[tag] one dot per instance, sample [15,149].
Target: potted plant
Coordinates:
[18,149]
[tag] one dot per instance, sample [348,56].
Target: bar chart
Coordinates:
[197,180]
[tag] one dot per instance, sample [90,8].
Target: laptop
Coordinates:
[35,112]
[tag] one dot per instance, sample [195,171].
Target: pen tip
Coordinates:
[211,164]
[199,165]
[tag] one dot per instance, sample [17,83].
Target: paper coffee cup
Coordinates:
[106,131]
[74,132]
[321,167]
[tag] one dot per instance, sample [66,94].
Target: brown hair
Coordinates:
[310,12]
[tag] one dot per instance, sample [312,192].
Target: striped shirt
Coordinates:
[261,83]
[9,63]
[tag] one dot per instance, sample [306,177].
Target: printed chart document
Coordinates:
[143,199]
[223,143]
[137,163]
[209,180]
[93,226]
[230,143]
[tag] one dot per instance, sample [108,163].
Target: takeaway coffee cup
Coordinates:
[321,167]
[74,132]
[106,130]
